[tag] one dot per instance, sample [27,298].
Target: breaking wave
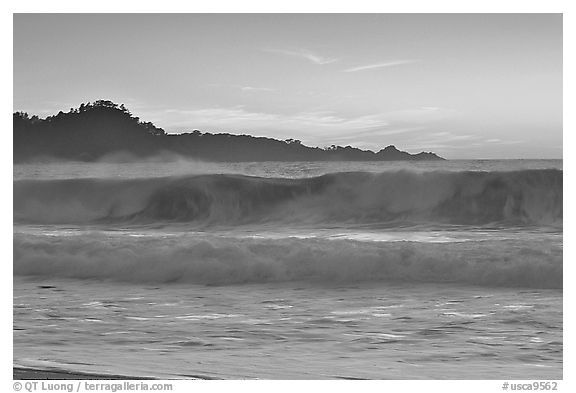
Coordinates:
[528,197]
[222,261]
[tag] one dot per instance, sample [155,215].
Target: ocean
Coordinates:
[306,270]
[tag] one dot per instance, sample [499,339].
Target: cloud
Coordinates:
[501,142]
[309,122]
[252,89]
[411,129]
[414,129]
[421,115]
[314,128]
[379,65]
[238,118]
[304,54]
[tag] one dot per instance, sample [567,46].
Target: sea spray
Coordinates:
[527,197]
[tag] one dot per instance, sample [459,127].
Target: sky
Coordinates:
[465,86]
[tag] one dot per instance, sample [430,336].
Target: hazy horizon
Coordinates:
[460,85]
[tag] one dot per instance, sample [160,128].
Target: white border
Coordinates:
[248,6]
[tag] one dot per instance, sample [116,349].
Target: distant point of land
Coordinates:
[96,130]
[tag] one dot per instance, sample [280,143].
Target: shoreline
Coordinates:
[22,373]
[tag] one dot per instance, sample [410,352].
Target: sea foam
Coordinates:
[208,259]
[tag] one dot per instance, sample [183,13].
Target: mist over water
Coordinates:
[174,165]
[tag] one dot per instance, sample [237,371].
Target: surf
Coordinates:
[217,260]
[516,198]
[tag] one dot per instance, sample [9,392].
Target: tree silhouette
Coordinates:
[96,129]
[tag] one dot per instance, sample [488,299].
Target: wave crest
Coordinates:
[221,261]
[529,197]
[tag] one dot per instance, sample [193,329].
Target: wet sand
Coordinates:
[29,373]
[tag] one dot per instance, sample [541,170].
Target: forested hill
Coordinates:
[95,130]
